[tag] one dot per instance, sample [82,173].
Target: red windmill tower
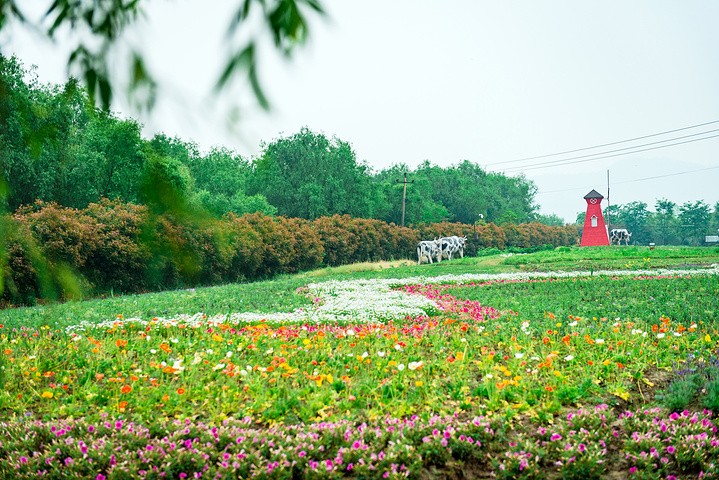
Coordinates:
[595,230]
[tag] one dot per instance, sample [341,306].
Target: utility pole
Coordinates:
[609,221]
[404,193]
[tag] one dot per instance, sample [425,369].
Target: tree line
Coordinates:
[669,224]
[56,146]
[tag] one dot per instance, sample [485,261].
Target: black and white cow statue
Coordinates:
[452,246]
[429,250]
[617,235]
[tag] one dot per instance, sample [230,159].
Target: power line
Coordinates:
[571,160]
[605,144]
[633,181]
[620,149]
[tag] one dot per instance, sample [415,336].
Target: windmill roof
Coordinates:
[594,194]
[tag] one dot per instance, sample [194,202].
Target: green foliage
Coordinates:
[309,176]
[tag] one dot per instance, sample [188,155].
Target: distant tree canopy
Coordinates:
[86,154]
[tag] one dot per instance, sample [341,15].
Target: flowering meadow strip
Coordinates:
[587,443]
[468,357]
[378,300]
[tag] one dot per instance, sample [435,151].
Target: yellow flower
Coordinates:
[707,338]
[47,394]
[557,373]
[606,362]
[419,383]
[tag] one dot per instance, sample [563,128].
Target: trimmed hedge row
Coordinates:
[54,251]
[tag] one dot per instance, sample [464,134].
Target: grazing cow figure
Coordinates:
[617,235]
[452,246]
[429,250]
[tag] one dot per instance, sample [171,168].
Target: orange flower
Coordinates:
[590,362]
[165,348]
[180,391]
[8,351]
[165,398]
[99,376]
[545,340]
[126,389]
[123,404]
[121,343]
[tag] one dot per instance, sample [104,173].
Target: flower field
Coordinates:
[515,375]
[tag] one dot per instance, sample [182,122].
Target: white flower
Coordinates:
[152,350]
[381,354]
[660,335]
[398,347]
[400,367]
[518,355]
[365,355]
[569,357]
[525,324]
[599,340]
[174,340]
[677,334]
[350,332]
[534,358]
[462,339]
[243,372]
[210,351]
[573,324]
[218,366]
[415,365]
[489,375]
[228,354]
[269,352]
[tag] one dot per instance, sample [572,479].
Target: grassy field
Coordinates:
[575,362]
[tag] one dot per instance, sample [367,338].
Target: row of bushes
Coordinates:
[51,250]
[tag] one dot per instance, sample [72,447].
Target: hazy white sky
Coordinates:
[486,81]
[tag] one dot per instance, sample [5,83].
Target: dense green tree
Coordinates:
[714,223]
[459,193]
[309,176]
[633,216]
[663,225]
[694,219]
